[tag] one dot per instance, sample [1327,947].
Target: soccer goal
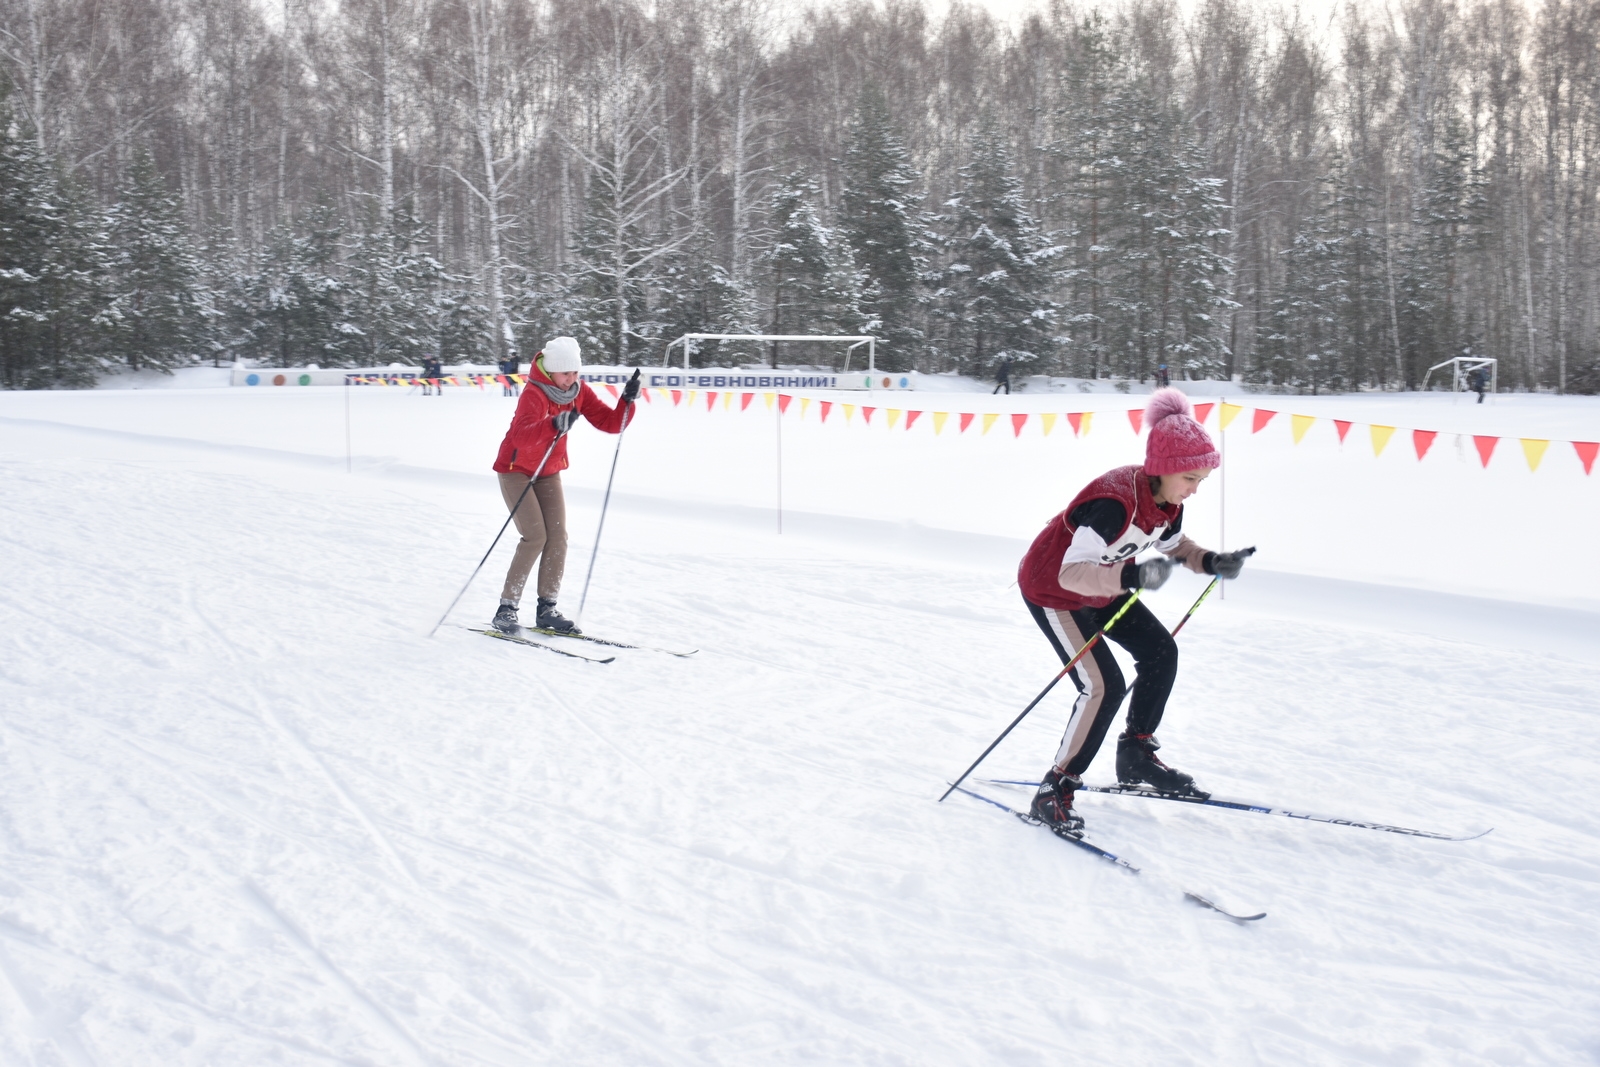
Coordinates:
[856,341]
[1461,368]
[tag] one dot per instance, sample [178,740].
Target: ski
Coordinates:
[1110,857]
[539,644]
[1250,805]
[610,643]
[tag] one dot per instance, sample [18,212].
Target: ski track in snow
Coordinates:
[250,814]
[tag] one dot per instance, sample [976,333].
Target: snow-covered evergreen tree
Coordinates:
[996,285]
[812,281]
[52,268]
[880,214]
[289,309]
[154,316]
[391,296]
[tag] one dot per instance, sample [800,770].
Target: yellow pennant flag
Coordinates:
[894,416]
[1302,423]
[939,418]
[692,394]
[805,402]
[1533,448]
[849,412]
[1229,413]
[1086,423]
[769,398]
[727,399]
[1049,420]
[988,420]
[1380,438]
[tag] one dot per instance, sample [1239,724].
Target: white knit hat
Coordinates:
[561,354]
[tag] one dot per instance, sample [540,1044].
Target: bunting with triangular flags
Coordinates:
[965,420]
[1533,451]
[988,419]
[1259,421]
[1229,413]
[1380,438]
[1019,419]
[939,418]
[1485,445]
[911,418]
[1048,419]
[1586,452]
[1299,424]
[1136,419]
[1422,440]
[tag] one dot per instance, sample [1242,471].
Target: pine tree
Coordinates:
[154,316]
[696,294]
[881,219]
[391,294]
[998,280]
[52,268]
[290,310]
[811,277]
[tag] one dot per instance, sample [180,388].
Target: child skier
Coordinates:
[1080,571]
[551,403]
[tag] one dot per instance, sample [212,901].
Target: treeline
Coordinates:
[1093,191]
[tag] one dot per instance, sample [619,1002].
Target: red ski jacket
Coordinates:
[1064,571]
[532,428]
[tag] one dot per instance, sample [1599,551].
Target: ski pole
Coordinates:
[1213,584]
[1196,606]
[559,435]
[1071,663]
[604,504]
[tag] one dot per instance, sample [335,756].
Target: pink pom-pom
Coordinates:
[1164,402]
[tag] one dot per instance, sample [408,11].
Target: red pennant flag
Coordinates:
[612,390]
[1202,412]
[1018,421]
[677,395]
[1136,417]
[646,394]
[1485,445]
[711,398]
[1259,421]
[501,378]
[911,416]
[827,406]
[966,420]
[783,403]
[744,400]
[1586,451]
[1422,440]
[866,415]
[1344,428]
[1075,418]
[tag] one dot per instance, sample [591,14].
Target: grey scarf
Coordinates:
[561,396]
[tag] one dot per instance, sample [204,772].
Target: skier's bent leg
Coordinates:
[1155,657]
[530,524]
[553,563]
[1096,677]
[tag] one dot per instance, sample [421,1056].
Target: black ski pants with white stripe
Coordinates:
[1099,679]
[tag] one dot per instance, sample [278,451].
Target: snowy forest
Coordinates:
[1091,190]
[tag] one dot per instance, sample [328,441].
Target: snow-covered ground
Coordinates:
[250,813]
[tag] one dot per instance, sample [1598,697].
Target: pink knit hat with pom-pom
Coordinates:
[1177,442]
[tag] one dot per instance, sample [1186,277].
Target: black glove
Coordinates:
[1228,564]
[563,421]
[1153,573]
[630,392]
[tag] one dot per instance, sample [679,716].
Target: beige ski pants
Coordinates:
[542,522]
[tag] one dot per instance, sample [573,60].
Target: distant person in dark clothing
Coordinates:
[1002,377]
[432,375]
[1476,380]
[1163,379]
[509,367]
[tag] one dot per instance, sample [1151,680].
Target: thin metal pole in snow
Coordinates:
[778,408]
[348,462]
[1222,545]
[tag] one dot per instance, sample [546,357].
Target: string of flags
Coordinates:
[1081,423]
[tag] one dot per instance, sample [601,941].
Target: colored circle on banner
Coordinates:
[277,379]
[905,382]
[888,382]
[305,379]
[252,379]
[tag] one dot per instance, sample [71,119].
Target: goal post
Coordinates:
[856,341]
[1463,366]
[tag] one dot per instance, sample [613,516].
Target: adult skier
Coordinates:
[554,398]
[1080,571]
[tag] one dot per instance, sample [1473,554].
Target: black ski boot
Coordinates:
[1137,764]
[1052,804]
[551,619]
[505,620]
